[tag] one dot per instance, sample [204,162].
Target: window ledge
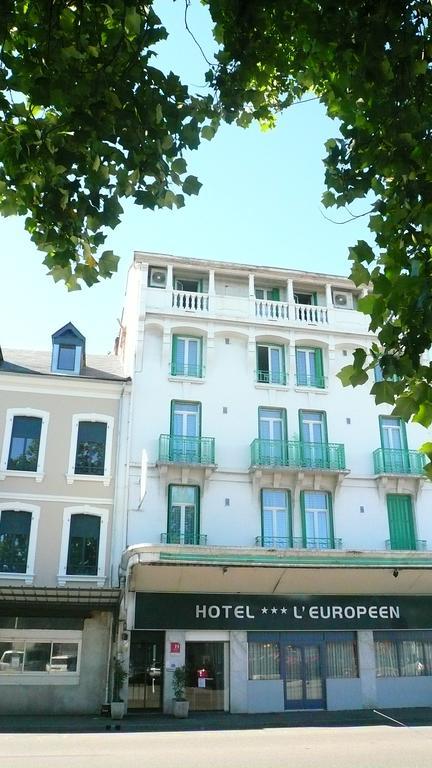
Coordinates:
[315,390]
[41,678]
[38,476]
[67,579]
[189,379]
[27,578]
[267,384]
[105,479]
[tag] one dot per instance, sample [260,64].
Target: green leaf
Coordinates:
[179,165]
[108,263]
[424,414]
[191,185]
[384,392]
[207,132]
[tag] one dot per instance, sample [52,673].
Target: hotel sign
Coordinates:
[267,612]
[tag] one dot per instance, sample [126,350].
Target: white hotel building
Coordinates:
[278,524]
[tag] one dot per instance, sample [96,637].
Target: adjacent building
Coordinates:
[62,415]
[278,524]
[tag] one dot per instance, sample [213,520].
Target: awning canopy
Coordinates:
[49,601]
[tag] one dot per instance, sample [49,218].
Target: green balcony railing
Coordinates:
[278,542]
[180,538]
[419,545]
[186,369]
[315,382]
[272,377]
[398,462]
[292,453]
[186,450]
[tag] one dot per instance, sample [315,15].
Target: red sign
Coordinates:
[175,648]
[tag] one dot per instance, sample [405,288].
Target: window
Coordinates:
[270,364]
[342,658]
[276,519]
[68,353]
[18,536]
[317,520]
[394,445]
[83,551]
[264,661]
[91,447]
[90,453]
[401,522]
[36,652]
[24,442]
[186,357]
[309,367]
[407,655]
[186,284]
[185,444]
[379,376]
[272,436]
[267,294]
[183,514]
[14,540]
[83,546]
[305,298]
[66,357]
[313,439]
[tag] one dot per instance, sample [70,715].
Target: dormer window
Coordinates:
[68,355]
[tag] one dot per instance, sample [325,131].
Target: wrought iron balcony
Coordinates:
[314,382]
[278,542]
[186,450]
[419,545]
[186,538]
[398,462]
[185,369]
[272,377]
[295,454]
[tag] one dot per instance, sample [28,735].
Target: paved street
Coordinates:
[382,746]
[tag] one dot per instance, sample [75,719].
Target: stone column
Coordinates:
[238,671]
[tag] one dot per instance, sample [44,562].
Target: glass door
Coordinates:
[146,670]
[185,432]
[272,433]
[393,440]
[303,678]
[206,675]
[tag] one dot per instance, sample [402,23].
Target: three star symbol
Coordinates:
[274,610]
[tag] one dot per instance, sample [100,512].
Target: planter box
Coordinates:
[117,710]
[180,708]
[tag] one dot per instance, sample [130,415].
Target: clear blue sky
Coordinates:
[259,204]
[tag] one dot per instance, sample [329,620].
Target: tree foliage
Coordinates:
[369,63]
[87,119]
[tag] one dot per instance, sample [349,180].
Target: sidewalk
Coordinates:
[213,721]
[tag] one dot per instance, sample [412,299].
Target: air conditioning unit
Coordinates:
[343,300]
[157,277]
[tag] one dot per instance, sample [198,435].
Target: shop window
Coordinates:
[264,661]
[403,656]
[35,653]
[342,658]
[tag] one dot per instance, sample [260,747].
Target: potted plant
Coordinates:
[180,703]
[119,678]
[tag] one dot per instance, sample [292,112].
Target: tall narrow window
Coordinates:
[24,444]
[309,367]
[183,515]
[394,444]
[186,357]
[90,451]
[276,519]
[317,520]
[14,540]
[272,436]
[270,364]
[83,550]
[313,437]
[401,522]
[185,444]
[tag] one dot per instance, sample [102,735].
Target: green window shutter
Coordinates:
[275,294]
[401,522]
[303,517]
[330,518]
[174,356]
[319,369]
